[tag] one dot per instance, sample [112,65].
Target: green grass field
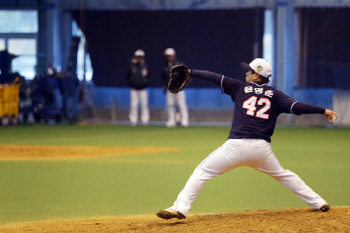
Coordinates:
[142,184]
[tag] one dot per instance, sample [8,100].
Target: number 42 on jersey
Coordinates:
[250,105]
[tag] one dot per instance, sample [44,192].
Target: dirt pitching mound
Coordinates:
[337,219]
[20,152]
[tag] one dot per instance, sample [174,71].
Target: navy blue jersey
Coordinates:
[257,105]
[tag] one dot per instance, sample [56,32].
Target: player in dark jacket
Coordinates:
[170,61]
[257,106]
[138,78]
[180,98]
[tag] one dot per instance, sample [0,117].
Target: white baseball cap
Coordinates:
[260,66]
[139,53]
[169,52]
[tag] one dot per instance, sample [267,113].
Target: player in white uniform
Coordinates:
[172,99]
[257,106]
[138,78]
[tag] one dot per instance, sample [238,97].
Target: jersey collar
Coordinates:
[259,83]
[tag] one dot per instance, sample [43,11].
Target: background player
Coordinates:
[179,98]
[257,106]
[138,78]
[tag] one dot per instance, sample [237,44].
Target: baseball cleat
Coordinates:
[170,124]
[325,207]
[169,213]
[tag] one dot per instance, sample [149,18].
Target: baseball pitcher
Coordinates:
[257,106]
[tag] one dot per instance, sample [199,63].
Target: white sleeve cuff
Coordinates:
[291,107]
[222,89]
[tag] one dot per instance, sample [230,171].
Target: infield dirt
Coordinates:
[28,152]
[337,219]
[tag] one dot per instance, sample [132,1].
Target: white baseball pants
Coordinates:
[180,100]
[254,153]
[137,96]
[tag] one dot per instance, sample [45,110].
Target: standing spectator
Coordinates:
[138,78]
[179,98]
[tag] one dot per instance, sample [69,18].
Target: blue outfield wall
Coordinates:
[197,98]
[322,97]
[200,98]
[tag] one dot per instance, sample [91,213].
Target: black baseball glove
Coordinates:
[179,78]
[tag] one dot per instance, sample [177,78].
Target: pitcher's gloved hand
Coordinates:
[179,78]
